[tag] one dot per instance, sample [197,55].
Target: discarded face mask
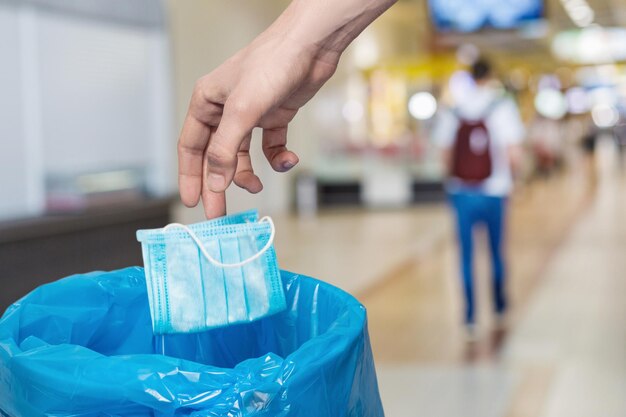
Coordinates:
[211,274]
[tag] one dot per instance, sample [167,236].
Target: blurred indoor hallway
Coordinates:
[563,350]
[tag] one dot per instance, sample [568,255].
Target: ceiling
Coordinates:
[536,39]
[607,13]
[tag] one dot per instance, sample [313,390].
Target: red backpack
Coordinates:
[471,153]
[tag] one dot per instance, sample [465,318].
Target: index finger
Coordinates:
[214,203]
[191,146]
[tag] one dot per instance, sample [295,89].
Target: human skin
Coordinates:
[263,85]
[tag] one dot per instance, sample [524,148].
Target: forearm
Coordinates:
[330,25]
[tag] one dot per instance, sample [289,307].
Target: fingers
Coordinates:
[275,149]
[214,203]
[191,148]
[245,177]
[240,116]
[204,111]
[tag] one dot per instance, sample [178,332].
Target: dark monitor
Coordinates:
[474,15]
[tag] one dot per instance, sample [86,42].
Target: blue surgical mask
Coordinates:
[211,274]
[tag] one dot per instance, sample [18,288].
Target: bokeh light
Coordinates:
[422,105]
[604,115]
[551,103]
[577,100]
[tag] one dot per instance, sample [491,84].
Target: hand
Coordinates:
[263,86]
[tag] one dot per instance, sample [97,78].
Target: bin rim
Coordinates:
[11,345]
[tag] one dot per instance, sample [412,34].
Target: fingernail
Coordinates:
[216,182]
[288,165]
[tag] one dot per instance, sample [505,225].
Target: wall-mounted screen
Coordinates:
[473,15]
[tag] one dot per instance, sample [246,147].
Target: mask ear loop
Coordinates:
[214,261]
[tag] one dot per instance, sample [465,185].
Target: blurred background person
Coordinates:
[481,138]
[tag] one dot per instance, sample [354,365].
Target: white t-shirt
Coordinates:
[505,128]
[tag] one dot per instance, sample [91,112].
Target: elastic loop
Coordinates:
[214,261]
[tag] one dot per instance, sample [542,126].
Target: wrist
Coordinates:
[327,24]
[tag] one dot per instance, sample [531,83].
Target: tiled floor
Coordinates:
[576,321]
[355,250]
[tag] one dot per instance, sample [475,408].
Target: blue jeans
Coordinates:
[472,208]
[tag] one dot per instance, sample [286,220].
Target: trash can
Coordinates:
[84,346]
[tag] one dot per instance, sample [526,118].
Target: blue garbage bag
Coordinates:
[83,346]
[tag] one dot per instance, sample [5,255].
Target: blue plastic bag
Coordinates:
[83,346]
